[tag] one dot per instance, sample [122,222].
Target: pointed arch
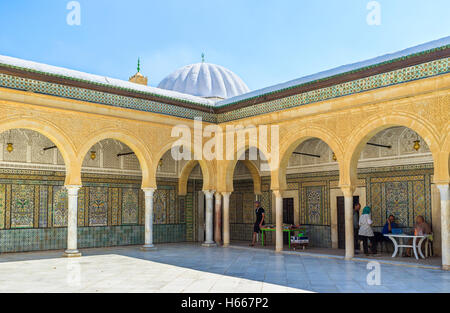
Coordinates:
[134,143]
[292,139]
[363,133]
[56,135]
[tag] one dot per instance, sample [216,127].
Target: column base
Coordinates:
[71,254]
[348,258]
[148,248]
[226,245]
[209,244]
[446,267]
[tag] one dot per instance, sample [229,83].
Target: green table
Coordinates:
[286,230]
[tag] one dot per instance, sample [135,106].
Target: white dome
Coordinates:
[205,80]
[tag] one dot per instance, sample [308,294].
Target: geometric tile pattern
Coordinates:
[2,205]
[98,206]
[22,206]
[405,197]
[130,209]
[59,206]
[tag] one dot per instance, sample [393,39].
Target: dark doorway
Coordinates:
[341,219]
[288,210]
[288,215]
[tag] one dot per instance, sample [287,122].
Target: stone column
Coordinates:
[209,242]
[445,225]
[148,217]
[226,218]
[278,221]
[72,234]
[349,233]
[218,219]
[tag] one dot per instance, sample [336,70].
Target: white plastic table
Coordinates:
[401,244]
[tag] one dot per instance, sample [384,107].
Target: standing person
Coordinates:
[356,209]
[366,232]
[259,211]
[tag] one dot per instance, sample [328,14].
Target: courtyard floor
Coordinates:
[191,268]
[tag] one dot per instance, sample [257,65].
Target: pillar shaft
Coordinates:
[445,225]
[209,218]
[72,233]
[226,218]
[278,221]
[349,232]
[148,218]
[218,219]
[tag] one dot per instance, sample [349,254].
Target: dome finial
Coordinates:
[139,65]
[203,57]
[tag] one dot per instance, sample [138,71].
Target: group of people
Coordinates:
[362,224]
[363,229]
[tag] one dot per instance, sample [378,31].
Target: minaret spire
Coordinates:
[138,78]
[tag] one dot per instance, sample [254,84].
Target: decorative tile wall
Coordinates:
[33,211]
[405,197]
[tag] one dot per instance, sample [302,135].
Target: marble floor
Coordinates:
[192,268]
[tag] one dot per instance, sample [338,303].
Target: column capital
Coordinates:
[148,191]
[347,190]
[218,195]
[444,190]
[226,194]
[72,186]
[72,190]
[278,193]
[209,193]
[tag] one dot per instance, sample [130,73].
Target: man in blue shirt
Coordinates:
[387,229]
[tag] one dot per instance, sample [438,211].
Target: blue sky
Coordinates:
[265,42]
